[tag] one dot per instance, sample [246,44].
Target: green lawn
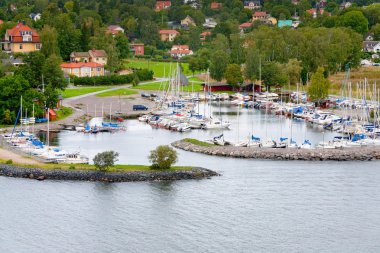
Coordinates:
[198,142]
[116,168]
[196,87]
[160,69]
[64,112]
[73,92]
[121,92]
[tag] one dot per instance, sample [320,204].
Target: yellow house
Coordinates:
[168,35]
[82,69]
[21,39]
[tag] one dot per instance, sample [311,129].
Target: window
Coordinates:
[97,59]
[20,46]
[38,46]
[98,69]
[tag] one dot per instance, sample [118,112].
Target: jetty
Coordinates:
[368,153]
[93,175]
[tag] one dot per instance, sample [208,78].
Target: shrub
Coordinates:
[72,167]
[104,160]
[10,161]
[163,157]
[143,75]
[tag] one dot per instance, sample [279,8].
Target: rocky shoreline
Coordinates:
[88,175]
[353,154]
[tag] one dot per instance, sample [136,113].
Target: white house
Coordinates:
[179,51]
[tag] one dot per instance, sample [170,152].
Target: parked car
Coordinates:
[145,95]
[140,108]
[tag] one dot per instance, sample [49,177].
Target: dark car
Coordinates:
[140,108]
[145,95]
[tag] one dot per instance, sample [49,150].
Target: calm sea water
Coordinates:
[255,206]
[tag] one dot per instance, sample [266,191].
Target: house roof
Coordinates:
[260,14]
[282,23]
[370,44]
[169,32]
[245,25]
[115,27]
[97,53]
[136,44]
[80,54]
[215,5]
[180,47]
[206,33]
[72,65]
[160,5]
[16,31]
[1,22]
[246,3]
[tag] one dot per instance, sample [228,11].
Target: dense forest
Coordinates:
[332,39]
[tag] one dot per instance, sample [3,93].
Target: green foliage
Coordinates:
[198,142]
[49,40]
[7,118]
[163,157]
[273,74]
[142,75]
[10,161]
[354,20]
[122,45]
[105,160]
[219,62]
[319,86]
[233,75]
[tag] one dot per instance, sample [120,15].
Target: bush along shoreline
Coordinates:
[93,175]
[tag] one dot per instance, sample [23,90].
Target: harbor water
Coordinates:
[255,206]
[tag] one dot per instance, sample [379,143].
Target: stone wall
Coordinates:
[349,154]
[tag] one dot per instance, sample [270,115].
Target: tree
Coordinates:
[237,49]
[53,74]
[122,45]
[319,86]
[104,160]
[107,43]
[252,64]
[163,157]
[219,61]
[272,74]
[233,75]
[293,70]
[49,39]
[355,20]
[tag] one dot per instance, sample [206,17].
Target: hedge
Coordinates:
[143,75]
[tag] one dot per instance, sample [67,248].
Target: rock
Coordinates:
[40,178]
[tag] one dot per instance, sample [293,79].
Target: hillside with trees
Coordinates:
[328,35]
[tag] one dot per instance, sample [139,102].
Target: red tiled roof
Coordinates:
[205,33]
[215,5]
[245,25]
[15,32]
[160,5]
[1,22]
[97,53]
[168,32]
[181,47]
[71,65]
[260,14]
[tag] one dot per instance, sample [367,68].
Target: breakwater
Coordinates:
[88,175]
[352,154]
